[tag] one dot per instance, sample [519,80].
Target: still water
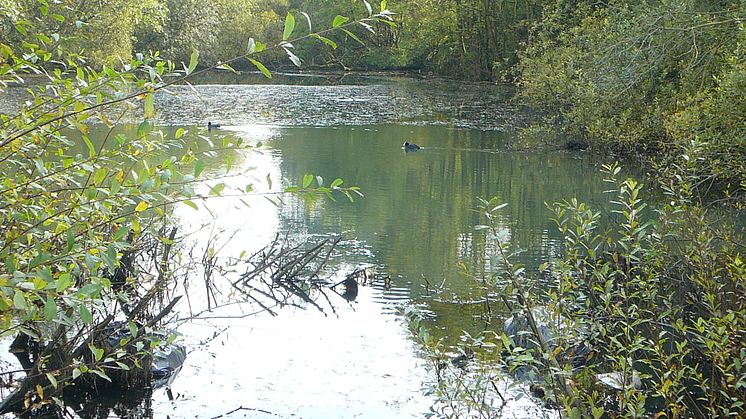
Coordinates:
[415,225]
[412,230]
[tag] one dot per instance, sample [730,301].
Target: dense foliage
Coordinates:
[662,300]
[88,245]
[474,39]
[646,79]
[643,316]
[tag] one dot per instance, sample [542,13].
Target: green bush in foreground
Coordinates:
[86,224]
[646,79]
[653,304]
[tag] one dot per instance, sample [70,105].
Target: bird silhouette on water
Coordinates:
[408,147]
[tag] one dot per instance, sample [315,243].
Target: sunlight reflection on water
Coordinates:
[357,363]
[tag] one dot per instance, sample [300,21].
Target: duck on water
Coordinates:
[211,126]
[410,147]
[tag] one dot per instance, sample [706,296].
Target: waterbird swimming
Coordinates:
[410,146]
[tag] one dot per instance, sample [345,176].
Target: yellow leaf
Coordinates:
[142,206]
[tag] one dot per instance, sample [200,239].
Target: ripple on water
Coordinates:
[405,101]
[359,363]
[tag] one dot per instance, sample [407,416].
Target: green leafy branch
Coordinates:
[340,23]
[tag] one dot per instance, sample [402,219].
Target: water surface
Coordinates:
[415,225]
[412,230]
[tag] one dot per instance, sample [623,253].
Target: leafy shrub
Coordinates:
[659,296]
[644,79]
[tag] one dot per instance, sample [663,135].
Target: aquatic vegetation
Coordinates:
[658,296]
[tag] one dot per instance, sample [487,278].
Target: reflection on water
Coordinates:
[419,215]
[358,362]
[415,224]
[412,229]
[304,364]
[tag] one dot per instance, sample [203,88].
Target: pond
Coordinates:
[413,230]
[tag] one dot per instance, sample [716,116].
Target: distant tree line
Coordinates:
[636,78]
[662,79]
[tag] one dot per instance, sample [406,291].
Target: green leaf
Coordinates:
[191,204]
[142,206]
[39,259]
[327,41]
[45,274]
[132,328]
[199,166]
[90,289]
[217,189]
[121,232]
[353,36]
[307,179]
[261,68]
[21,29]
[289,26]
[225,66]
[52,379]
[10,264]
[339,21]
[114,187]
[50,309]
[383,5]
[142,129]
[110,258]
[85,314]
[149,106]
[98,353]
[91,261]
[19,301]
[193,60]
[99,175]
[64,282]
[101,374]
[336,182]
[179,133]
[89,144]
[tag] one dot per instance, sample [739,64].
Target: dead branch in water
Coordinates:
[286,275]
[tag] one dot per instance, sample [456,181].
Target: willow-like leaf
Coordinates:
[289,26]
[261,68]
